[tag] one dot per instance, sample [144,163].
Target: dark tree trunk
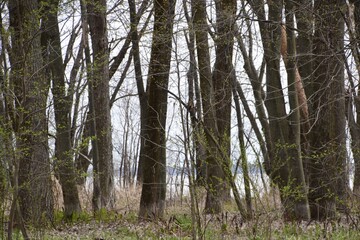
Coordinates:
[285,165]
[195,103]
[327,167]
[303,12]
[152,202]
[64,163]
[140,86]
[215,176]
[100,87]
[30,126]
[222,74]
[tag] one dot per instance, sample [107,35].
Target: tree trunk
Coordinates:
[222,74]
[152,202]
[100,86]
[303,12]
[215,176]
[64,163]
[140,86]
[285,165]
[327,168]
[31,90]
[195,103]
[354,125]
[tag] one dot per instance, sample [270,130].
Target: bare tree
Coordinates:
[152,202]
[30,121]
[223,72]
[100,87]
[285,167]
[64,164]
[327,168]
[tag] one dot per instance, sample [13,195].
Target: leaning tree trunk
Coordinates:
[327,168]
[100,90]
[30,126]
[152,202]
[134,20]
[64,163]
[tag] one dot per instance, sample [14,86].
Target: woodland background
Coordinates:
[214,102]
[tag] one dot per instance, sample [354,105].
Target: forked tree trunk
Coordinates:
[215,176]
[152,202]
[285,166]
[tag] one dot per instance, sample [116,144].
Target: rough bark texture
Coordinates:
[304,22]
[327,166]
[30,124]
[152,202]
[100,87]
[64,164]
[215,176]
[222,74]
[285,166]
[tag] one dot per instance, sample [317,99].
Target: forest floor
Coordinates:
[177,224]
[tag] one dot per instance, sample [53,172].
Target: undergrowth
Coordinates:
[123,223]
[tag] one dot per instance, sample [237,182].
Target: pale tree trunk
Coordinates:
[30,126]
[327,169]
[64,163]
[222,74]
[354,125]
[152,202]
[100,87]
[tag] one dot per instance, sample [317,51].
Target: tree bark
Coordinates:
[354,125]
[140,85]
[327,168]
[30,126]
[152,202]
[285,165]
[222,74]
[64,164]
[215,176]
[100,86]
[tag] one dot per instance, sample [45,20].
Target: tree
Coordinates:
[223,72]
[285,166]
[100,91]
[327,168]
[64,164]
[353,116]
[29,121]
[152,202]
[214,173]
